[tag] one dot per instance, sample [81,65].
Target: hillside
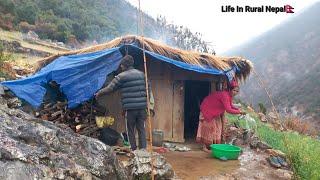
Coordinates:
[61,20]
[81,22]
[288,59]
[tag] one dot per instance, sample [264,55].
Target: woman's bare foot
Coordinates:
[205,149]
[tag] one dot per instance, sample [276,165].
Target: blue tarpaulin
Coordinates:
[80,76]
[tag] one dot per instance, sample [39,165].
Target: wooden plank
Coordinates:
[162,91]
[156,70]
[178,112]
[213,86]
[113,103]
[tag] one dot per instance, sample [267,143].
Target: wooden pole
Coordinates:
[262,84]
[147,90]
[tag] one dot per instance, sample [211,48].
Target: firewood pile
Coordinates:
[80,119]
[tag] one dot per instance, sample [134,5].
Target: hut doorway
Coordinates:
[195,92]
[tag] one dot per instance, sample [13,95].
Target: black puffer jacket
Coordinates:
[133,89]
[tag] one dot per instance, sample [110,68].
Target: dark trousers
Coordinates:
[136,119]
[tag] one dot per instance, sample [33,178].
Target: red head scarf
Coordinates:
[233,84]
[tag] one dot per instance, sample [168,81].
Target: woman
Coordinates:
[211,118]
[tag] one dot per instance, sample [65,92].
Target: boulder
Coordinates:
[31,148]
[140,166]
[262,117]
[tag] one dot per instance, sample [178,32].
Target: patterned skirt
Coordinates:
[210,132]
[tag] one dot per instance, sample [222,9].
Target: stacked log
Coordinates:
[80,119]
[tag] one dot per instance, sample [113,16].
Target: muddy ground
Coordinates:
[196,164]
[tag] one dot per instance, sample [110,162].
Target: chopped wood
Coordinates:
[80,119]
[57,113]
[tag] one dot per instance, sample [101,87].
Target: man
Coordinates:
[131,83]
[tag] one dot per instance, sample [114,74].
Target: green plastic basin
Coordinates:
[225,151]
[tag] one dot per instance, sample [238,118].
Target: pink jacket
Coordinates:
[216,104]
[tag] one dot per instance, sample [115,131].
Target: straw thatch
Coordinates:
[191,57]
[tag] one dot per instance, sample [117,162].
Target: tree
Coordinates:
[6,21]
[27,12]
[7,6]
[26,27]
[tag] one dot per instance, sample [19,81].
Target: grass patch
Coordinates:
[10,35]
[40,46]
[25,60]
[302,151]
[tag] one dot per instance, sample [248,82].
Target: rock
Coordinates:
[14,102]
[35,149]
[254,141]
[182,148]
[272,115]
[284,174]
[275,152]
[238,142]
[60,43]
[141,166]
[287,175]
[246,136]
[31,35]
[2,90]
[262,117]
[250,109]
[263,145]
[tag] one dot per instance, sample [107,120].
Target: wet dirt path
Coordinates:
[196,164]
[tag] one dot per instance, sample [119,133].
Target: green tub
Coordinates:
[225,151]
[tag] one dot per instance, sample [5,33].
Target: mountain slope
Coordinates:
[288,59]
[78,22]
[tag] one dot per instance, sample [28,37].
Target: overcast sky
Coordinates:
[223,29]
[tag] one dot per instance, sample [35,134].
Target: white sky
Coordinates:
[223,29]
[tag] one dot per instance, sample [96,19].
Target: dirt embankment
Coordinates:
[15,47]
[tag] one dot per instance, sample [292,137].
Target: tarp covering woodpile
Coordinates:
[82,72]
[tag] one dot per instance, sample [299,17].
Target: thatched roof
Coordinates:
[191,57]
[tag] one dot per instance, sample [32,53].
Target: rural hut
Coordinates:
[179,79]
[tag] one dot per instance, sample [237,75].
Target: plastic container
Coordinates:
[157,137]
[225,151]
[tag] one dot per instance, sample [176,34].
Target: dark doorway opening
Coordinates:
[195,92]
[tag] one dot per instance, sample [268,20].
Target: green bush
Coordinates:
[262,108]
[3,57]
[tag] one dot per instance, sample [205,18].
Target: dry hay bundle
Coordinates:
[190,57]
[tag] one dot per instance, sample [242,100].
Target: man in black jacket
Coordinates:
[131,83]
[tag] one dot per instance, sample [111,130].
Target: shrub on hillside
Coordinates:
[3,57]
[262,108]
[26,27]
[302,127]
[6,21]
